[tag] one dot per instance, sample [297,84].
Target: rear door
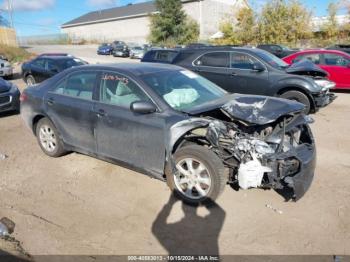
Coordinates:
[338,68]
[51,68]
[246,79]
[70,107]
[135,139]
[38,69]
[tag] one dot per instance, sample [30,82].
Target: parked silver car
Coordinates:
[137,52]
[6,69]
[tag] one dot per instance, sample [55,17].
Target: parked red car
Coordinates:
[336,63]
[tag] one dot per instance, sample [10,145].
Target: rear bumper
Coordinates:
[121,53]
[138,56]
[99,52]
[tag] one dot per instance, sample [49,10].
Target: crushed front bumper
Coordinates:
[295,168]
[300,182]
[323,99]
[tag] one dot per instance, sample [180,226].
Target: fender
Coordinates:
[177,131]
[301,82]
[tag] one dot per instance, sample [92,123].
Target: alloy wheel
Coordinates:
[47,138]
[193,179]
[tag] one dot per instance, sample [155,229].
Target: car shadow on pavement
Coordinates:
[193,234]
[341,91]
[7,257]
[8,114]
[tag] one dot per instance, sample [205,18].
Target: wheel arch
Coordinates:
[301,90]
[36,120]
[177,139]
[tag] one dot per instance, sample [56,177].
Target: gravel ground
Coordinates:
[80,205]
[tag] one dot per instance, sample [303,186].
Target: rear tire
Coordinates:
[205,171]
[299,97]
[48,138]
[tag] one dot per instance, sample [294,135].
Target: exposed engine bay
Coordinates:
[261,152]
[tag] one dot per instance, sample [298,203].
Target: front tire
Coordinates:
[48,138]
[201,176]
[299,97]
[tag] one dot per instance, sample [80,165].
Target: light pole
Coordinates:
[10,12]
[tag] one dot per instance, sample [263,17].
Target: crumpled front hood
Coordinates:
[260,110]
[4,86]
[306,67]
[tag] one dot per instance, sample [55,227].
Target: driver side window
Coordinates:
[243,61]
[119,90]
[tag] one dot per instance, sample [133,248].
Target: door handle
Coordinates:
[233,73]
[50,101]
[101,113]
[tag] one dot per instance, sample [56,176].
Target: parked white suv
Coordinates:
[6,70]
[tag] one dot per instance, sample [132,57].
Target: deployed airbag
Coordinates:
[178,98]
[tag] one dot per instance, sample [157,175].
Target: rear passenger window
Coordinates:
[39,63]
[78,85]
[314,58]
[120,90]
[242,61]
[165,56]
[336,60]
[215,59]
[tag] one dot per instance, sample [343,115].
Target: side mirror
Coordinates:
[54,70]
[258,67]
[143,107]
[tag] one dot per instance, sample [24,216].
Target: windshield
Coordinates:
[183,89]
[271,59]
[68,63]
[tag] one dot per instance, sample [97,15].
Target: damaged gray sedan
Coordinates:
[174,125]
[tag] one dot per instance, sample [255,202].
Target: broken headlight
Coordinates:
[325,84]
[263,148]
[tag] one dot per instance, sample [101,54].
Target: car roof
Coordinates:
[53,57]
[320,51]
[136,68]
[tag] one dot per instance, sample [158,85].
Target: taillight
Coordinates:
[23,97]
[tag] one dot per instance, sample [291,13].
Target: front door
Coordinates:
[135,139]
[70,107]
[243,76]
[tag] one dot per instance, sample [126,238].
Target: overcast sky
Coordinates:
[36,17]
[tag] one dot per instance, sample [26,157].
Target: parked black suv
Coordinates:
[345,48]
[44,67]
[278,50]
[253,71]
